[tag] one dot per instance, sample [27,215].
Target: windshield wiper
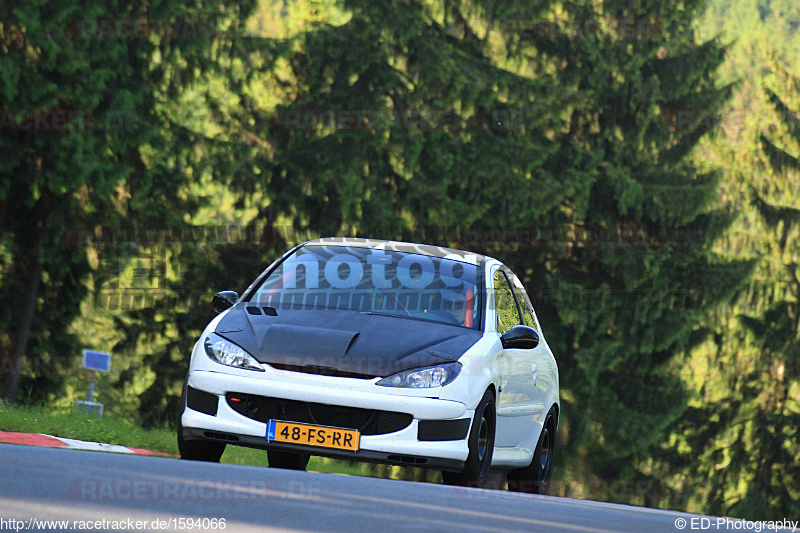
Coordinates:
[381,314]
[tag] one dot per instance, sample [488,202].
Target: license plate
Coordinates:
[323,436]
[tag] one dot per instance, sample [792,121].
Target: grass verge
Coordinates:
[74,424]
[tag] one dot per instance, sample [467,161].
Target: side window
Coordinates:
[507,315]
[524,303]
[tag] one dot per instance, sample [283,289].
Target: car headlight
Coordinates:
[432,376]
[227,353]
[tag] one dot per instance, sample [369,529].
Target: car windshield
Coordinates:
[401,284]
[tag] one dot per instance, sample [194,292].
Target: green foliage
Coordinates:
[738,439]
[622,294]
[599,147]
[125,160]
[763,413]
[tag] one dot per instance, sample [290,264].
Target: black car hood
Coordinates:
[344,343]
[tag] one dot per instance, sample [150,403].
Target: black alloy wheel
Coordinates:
[536,477]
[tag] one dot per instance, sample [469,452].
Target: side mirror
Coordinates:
[223,300]
[521,337]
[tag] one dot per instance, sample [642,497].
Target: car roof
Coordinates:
[406,247]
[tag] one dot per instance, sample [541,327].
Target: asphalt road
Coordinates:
[104,491]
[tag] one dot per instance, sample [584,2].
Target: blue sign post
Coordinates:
[96,362]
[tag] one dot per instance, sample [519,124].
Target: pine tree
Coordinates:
[122,155]
[732,452]
[631,271]
[751,428]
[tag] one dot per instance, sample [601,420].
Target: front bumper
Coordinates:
[401,447]
[363,455]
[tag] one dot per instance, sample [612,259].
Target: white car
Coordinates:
[379,351]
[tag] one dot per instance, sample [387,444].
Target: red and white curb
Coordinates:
[41,439]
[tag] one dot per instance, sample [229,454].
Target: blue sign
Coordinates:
[271,430]
[96,361]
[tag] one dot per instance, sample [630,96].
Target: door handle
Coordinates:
[533,370]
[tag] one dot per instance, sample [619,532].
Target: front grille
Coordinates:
[321,371]
[367,421]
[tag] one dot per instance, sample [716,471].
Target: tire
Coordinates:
[535,478]
[288,460]
[481,447]
[196,450]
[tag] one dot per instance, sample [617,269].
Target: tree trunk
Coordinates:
[28,308]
